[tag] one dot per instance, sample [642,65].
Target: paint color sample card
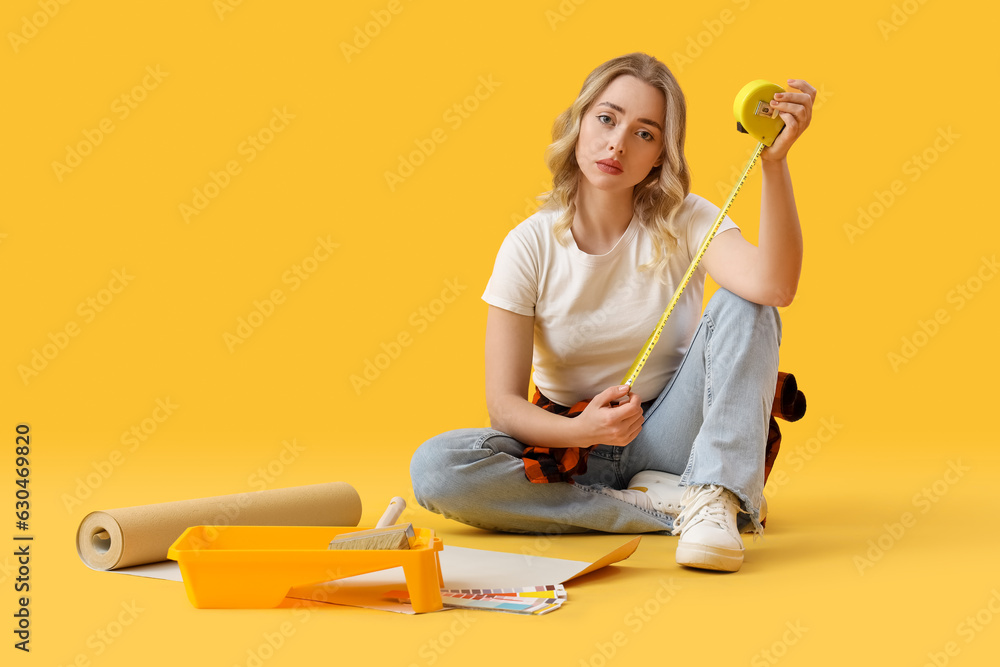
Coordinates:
[547,591]
[534,600]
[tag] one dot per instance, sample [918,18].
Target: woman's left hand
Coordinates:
[795,108]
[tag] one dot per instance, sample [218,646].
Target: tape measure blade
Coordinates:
[647,349]
[639,360]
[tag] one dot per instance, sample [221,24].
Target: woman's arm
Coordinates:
[509,338]
[780,235]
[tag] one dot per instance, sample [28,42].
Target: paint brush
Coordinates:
[385,535]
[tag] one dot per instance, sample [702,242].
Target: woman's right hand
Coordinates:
[508,368]
[606,424]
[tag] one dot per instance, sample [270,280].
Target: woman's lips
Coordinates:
[608,169]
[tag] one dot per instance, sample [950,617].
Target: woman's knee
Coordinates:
[432,467]
[725,304]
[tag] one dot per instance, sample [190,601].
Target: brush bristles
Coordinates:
[393,537]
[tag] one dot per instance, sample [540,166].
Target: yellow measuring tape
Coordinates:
[755,117]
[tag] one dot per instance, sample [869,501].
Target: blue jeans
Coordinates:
[709,425]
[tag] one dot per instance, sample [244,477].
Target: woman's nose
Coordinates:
[616,141]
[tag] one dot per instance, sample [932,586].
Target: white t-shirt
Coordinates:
[593,313]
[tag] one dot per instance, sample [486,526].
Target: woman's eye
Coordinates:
[646,135]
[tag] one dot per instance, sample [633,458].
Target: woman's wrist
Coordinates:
[774,164]
[535,426]
[577,433]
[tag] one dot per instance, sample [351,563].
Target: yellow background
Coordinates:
[886,95]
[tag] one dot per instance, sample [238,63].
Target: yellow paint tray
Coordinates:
[254,567]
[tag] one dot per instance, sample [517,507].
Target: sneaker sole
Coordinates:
[709,558]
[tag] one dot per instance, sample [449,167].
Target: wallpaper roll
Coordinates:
[111,539]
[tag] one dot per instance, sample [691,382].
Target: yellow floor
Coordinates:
[883,561]
[188,283]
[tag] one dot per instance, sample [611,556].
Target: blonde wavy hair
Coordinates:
[656,200]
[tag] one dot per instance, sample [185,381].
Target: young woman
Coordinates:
[575,291]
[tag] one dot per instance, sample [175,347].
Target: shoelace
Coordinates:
[707,504]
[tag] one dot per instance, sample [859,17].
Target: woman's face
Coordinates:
[623,126]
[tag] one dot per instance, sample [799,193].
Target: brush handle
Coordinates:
[392,512]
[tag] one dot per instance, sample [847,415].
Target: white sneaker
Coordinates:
[707,526]
[663,488]
[637,498]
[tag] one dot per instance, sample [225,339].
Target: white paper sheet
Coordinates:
[165,569]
